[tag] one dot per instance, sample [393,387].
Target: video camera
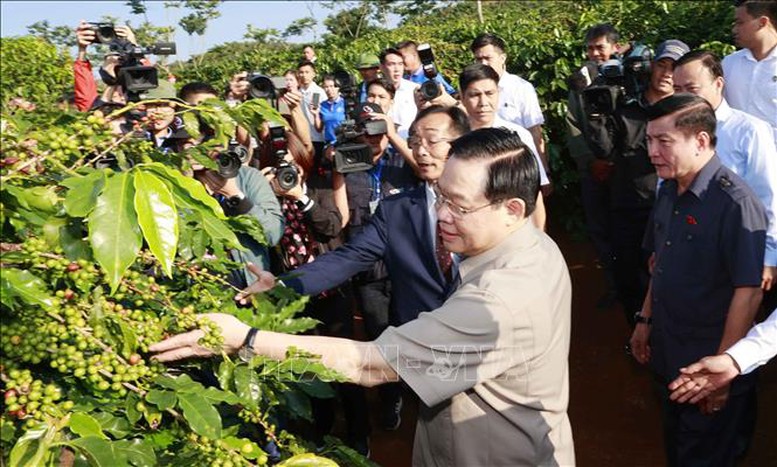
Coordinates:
[618,82]
[131,74]
[429,89]
[285,173]
[230,161]
[351,155]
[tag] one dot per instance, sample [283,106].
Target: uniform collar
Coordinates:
[701,183]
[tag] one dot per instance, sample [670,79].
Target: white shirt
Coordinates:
[751,85]
[404,110]
[745,146]
[757,347]
[307,99]
[518,101]
[527,139]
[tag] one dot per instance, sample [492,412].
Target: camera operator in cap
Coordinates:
[601,43]
[616,136]
[369,69]
[707,233]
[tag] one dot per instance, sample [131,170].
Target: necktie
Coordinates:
[443,257]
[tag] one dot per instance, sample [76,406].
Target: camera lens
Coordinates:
[430,90]
[287,176]
[229,165]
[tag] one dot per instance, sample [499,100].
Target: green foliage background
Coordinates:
[33,69]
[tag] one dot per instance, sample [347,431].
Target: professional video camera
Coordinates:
[130,73]
[351,155]
[230,161]
[618,82]
[285,173]
[429,89]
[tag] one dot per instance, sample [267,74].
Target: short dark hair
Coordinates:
[405,44]
[709,60]
[383,82]
[196,87]
[485,39]
[512,172]
[694,114]
[387,52]
[602,30]
[459,121]
[306,63]
[756,8]
[308,45]
[476,72]
[330,77]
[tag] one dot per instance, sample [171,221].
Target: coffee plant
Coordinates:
[97,264]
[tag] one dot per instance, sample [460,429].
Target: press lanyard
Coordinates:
[375,173]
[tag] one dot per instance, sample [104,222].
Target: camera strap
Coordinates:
[375,174]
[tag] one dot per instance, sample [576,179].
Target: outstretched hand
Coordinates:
[187,345]
[700,379]
[265,280]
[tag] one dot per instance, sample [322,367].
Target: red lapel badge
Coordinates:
[690,220]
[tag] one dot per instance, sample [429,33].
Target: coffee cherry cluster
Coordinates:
[28,398]
[218,454]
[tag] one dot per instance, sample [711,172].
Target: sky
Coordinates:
[16,15]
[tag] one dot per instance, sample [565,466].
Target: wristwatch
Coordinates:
[638,318]
[246,352]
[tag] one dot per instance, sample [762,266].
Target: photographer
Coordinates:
[381,92]
[601,43]
[313,227]
[414,69]
[248,192]
[617,137]
[85,86]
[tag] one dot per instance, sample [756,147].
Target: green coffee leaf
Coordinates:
[83,192]
[85,425]
[113,228]
[158,218]
[202,417]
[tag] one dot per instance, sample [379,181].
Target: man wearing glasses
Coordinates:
[491,364]
[403,233]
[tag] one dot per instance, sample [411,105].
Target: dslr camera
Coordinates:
[429,88]
[350,154]
[265,87]
[230,160]
[285,173]
[618,82]
[131,74]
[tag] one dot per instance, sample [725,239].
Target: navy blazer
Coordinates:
[399,234]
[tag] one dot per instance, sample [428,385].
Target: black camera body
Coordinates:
[230,161]
[131,74]
[104,33]
[350,154]
[618,82]
[262,86]
[285,172]
[429,89]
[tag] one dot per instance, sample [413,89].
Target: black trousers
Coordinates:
[627,229]
[693,439]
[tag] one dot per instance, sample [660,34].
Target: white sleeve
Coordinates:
[758,347]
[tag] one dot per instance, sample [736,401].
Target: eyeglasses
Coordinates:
[415,141]
[456,211]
